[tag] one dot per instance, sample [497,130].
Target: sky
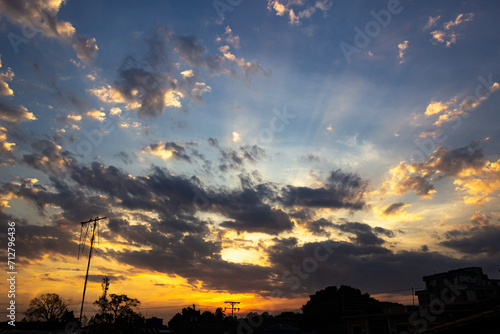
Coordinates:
[252,151]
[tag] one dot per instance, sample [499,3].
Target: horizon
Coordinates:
[251,151]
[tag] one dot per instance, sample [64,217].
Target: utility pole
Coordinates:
[232,308]
[92,224]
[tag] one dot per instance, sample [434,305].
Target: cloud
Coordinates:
[15,114]
[479,240]
[318,227]
[479,183]
[49,157]
[168,150]
[249,68]
[402,49]
[86,48]
[211,272]
[282,7]
[452,110]
[231,39]
[364,234]
[248,211]
[158,213]
[41,16]
[393,208]
[235,159]
[431,22]
[442,163]
[4,78]
[6,148]
[342,190]
[213,142]
[355,265]
[448,35]
[96,115]
[107,94]
[153,82]
[436,107]
[396,211]
[461,18]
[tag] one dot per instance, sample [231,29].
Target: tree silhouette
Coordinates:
[49,307]
[116,312]
[327,308]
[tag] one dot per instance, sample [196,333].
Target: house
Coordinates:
[457,301]
[463,287]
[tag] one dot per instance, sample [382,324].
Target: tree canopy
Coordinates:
[117,310]
[49,307]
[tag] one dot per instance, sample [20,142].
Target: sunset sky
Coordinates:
[248,150]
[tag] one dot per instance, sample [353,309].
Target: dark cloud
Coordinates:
[125,157]
[196,54]
[249,213]
[159,191]
[393,208]
[40,240]
[449,163]
[253,153]
[14,113]
[235,159]
[230,160]
[148,80]
[212,272]
[343,190]
[174,241]
[213,142]
[76,204]
[364,234]
[477,241]
[86,48]
[370,268]
[49,157]
[318,227]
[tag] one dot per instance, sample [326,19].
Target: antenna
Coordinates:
[90,224]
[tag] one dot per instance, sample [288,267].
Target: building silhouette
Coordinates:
[459,301]
[468,285]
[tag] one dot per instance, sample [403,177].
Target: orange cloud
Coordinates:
[480,184]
